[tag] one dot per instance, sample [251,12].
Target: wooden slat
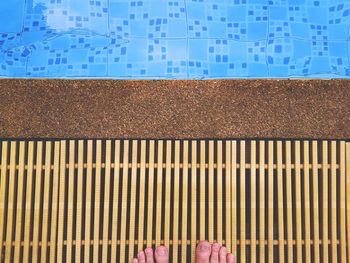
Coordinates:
[115,201]
[3,189]
[242,170]
[228,195]
[347,176]
[325,200]
[193,199]
[253,200]
[133,201]
[37,201]
[270,202]
[176,203]
[97,203]
[79,222]
[150,194]
[62,193]
[46,203]
[262,201]
[70,204]
[28,208]
[334,201]
[142,196]
[298,201]
[307,222]
[20,183]
[167,195]
[289,204]
[342,183]
[219,192]
[159,218]
[315,202]
[184,202]
[88,204]
[280,203]
[234,196]
[202,197]
[211,192]
[106,201]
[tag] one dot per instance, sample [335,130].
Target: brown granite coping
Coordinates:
[175,109]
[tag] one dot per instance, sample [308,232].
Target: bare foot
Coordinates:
[161,255]
[206,253]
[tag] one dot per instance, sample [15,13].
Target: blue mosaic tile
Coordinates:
[175,38]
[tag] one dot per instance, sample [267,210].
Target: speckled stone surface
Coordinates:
[175,109]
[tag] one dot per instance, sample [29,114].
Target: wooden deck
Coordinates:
[104,200]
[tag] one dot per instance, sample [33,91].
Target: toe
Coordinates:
[215,253]
[141,257]
[230,258]
[222,255]
[203,252]
[135,260]
[149,255]
[162,255]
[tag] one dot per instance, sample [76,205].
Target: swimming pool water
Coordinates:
[175,39]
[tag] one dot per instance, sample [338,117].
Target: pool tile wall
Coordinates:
[195,39]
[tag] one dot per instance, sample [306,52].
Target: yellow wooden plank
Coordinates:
[298,201]
[306,171]
[88,201]
[325,200]
[97,203]
[176,201]
[18,234]
[142,196]
[37,202]
[3,185]
[115,201]
[55,184]
[253,200]
[106,201]
[193,199]
[289,203]
[150,194]
[219,192]
[280,203]
[202,197]
[167,195]
[28,212]
[347,177]
[315,202]
[211,192]
[270,202]
[46,203]
[228,195]
[10,202]
[242,170]
[334,238]
[159,218]
[79,200]
[133,200]
[70,204]
[184,202]
[234,196]
[262,201]
[342,184]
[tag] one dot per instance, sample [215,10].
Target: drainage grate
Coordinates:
[104,200]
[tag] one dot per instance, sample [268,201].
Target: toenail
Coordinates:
[135,260]
[141,255]
[223,250]
[216,247]
[161,251]
[230,257]
[149,251]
